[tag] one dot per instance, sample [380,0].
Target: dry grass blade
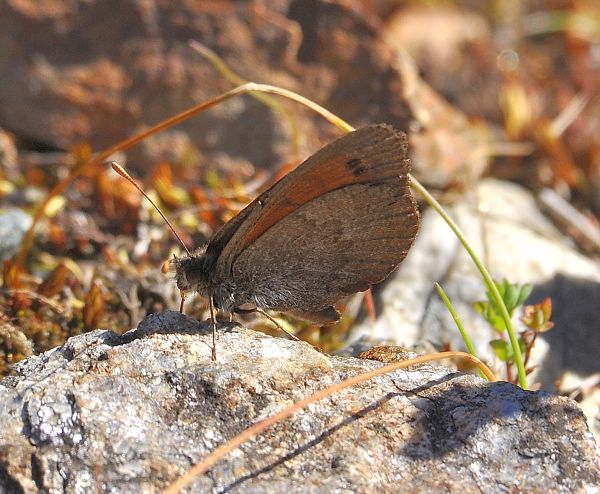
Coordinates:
[54,282]
[126,144]
[244,436]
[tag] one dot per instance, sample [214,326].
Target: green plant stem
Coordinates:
[484,273]
[458,323]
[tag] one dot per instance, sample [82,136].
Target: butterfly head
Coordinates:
[192,272]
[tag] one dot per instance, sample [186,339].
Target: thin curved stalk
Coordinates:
[458,322]
[100,158]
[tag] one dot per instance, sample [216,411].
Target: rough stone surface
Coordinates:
[134,412]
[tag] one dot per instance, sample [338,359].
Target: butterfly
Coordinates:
[340,222]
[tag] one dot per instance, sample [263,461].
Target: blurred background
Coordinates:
[500,100]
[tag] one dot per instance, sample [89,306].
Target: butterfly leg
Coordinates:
[213,324]
[292,336]
[182,294]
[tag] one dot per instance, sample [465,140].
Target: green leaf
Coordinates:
[502,349]
[513,295]
[526,290]
[491,315]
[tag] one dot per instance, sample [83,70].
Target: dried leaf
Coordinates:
[104,195]
[54,206]
[93,308]
[11,275]
[169,193]
[54,282]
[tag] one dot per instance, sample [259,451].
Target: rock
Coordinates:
[98,72]
[13,225]
[134,412]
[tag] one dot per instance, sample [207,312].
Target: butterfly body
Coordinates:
[340,222]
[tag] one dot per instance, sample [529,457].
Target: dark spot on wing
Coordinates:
[355,165]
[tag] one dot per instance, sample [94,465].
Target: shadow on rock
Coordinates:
[575,339]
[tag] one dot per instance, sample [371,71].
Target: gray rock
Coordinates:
[132,413]
[13,225]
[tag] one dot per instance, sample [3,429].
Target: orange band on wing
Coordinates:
[307,185]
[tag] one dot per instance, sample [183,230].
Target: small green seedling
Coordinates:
[536,319]
[513,296]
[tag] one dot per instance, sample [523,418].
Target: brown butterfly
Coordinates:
[340,222]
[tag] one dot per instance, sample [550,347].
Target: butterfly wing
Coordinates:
[338,223]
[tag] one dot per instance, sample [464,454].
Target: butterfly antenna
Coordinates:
[119,169]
